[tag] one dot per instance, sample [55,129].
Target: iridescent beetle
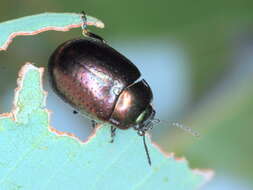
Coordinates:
[101,83]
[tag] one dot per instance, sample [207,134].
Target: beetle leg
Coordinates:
[146,149]
[85,30]
[113,129]
[93,124]
[75,112]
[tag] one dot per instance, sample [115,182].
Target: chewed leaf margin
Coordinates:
[15,115]
[32,25]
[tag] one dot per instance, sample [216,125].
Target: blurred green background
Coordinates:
[197,57]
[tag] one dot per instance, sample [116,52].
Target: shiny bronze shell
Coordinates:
[90,76]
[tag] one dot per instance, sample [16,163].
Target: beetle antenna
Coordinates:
[146,149]
[156,121]
[185,128]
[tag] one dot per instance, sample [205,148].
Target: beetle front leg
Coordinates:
[113,129]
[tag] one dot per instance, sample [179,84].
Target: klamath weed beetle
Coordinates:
[99,82]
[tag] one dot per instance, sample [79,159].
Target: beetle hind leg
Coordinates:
[85,30]
[93,124]
[113,130]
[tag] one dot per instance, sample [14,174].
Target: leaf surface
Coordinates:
[35,156]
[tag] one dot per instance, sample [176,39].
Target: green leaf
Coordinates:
[31,25]
[35,156]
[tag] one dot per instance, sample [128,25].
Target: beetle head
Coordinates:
[146,120]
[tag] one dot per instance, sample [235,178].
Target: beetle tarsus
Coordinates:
[84,24]
[113,130]
[93,124]
[85,30]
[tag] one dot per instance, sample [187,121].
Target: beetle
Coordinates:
[101,83]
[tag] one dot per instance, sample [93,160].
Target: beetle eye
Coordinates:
[146,116]
[141,117]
